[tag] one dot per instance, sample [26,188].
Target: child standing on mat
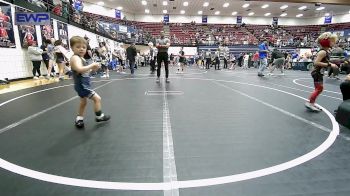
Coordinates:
[326,41]
[82,84]
[182,60]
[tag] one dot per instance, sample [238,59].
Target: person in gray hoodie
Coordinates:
[35,55]
[337,57]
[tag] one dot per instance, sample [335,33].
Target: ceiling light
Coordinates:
[320,8]
[225,5]
[185,3]
[251,14]
[119,8]
[101,3]
[234,13]
[182,12]
[326,14]
[147,11]
[265,6]
[245,5]
[299,15]
[283,7]
[267,14]
[165,3]
[144,2]
[284,14]
[206,4]
[302,7]
[200,12]
[165,11]
[217,12]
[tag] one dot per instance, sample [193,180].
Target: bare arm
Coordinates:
[77,65]
[347,77]
[90,53]
[44,50]
[167,45]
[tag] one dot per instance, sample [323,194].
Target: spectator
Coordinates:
[61,59]
[35,55]
[337,57]
[345,88]
[256,59]
[263,51]
[131,54]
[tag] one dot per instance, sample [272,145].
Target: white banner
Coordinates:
[123,29]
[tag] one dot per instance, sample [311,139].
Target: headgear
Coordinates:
[326,43]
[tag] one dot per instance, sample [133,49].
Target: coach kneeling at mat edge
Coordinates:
[343,111]
[345,88]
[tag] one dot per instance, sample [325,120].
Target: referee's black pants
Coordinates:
[163,57]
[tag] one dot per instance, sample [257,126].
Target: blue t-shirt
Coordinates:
[262,55]
[295,56]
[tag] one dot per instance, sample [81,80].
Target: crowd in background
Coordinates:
[190,34]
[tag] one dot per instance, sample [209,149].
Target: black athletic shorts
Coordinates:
[317,76]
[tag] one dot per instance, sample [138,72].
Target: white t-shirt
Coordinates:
[246,57]
[121,53]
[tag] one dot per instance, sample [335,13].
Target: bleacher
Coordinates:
[192,33]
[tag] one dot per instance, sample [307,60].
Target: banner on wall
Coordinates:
[339,33]
[46,32]
[131,30]
[123,29]
[204,19]
[275,21]
[27,35]
[327,19]
[100,26]
[239,19]
[62,30]
[114,28]
[7,38]
[189,51]
[118,14]
[166,18]
[347,33]
[32,18]
[107,29]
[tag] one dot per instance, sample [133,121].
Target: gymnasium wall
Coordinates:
[247,20]
[96,9]
[14,62]
[93,8]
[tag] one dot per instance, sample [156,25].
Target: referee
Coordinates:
[163,45]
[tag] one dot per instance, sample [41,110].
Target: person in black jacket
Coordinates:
[240,59]
[130,55]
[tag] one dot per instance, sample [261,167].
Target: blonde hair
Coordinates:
[77,40]
[328,35]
